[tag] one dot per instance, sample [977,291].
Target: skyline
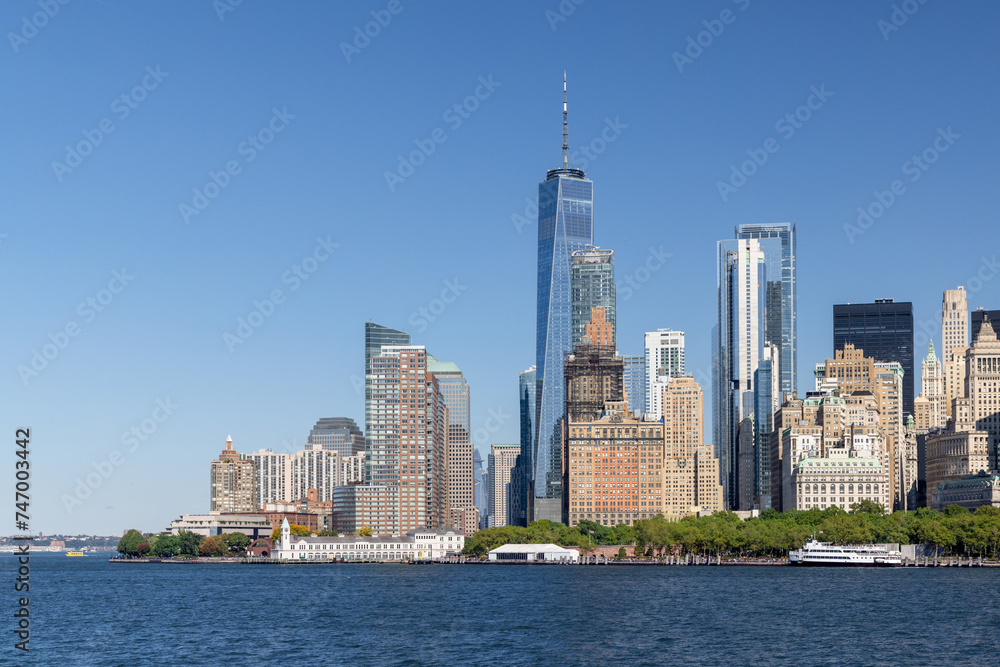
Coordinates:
[313,217]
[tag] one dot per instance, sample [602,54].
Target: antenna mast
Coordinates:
[565,146]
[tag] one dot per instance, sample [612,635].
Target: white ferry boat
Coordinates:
[833,555]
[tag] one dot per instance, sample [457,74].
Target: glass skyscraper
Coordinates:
[777,240]
[592,282]
[520,487]
[884,330]
[565,225]
[336,434]
[635,383]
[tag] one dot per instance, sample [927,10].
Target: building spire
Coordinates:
[565,146]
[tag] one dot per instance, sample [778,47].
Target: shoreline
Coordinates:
[941,562]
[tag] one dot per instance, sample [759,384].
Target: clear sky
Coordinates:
[117,112]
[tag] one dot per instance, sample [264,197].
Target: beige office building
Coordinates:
[954,342]
[982,387]
[500,463]
[690,468]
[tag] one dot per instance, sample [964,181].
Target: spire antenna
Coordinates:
[565,146]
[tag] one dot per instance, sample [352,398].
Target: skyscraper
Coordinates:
[635,383]
[884,330]
[954,343]
[565,225]
[521,489]
[739,345]
[336,434]
[501,463]
[592,282]
[777,240]
[376,336]
[664,361]
[234,482]
[459,457]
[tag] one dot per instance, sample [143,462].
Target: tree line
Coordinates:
[134,544]
[956,531]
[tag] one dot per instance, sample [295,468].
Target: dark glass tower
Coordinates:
[565,225]
[884,330]
[976,320]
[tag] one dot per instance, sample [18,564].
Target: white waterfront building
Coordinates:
[417,545]
[529,553]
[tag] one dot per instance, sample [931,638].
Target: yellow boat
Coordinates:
[75,553]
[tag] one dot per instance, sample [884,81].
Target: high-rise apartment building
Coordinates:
[565,225]
[777,241]
[459,452]
[690,468]
[233,482]
[336,434]
[275,482]
[501,462]
[635,383]
[766,402]
[884,330]
[376,336]
[664,361]
[406,447]
[592,285]
[315,470]
[739,343]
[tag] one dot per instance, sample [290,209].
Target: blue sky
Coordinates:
[312,216]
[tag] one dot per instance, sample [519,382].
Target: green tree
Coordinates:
[869,507]
[143,549]
[621,552]
[188,543]
[212,546]
[365,531]
[129,544]
[237,543]
[165,546]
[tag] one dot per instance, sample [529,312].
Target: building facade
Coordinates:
[459,451]
[777,240]
[664,361]
[884,330]
[690,468]
[212,524]
[982,387]
[336,434]
[592,285]
[839,479]
[233,482]
[739,343]
[635,383]
[614,469]
[565,225]
[416,545]
[376,336]
[275,478]
[502,459]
